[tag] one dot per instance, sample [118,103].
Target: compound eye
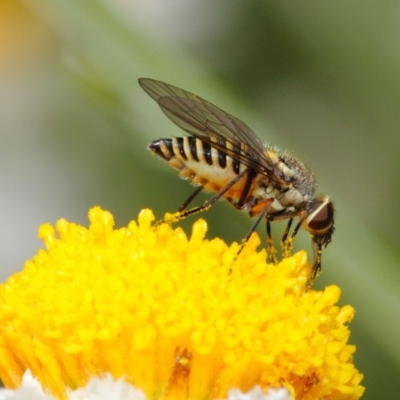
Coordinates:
[320,219]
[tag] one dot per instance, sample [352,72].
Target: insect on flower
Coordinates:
[222,154]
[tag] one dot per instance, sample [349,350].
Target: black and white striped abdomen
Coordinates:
[199,161]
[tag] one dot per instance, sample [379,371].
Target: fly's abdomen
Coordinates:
[200,162]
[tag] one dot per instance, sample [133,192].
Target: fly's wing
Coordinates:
[210,124]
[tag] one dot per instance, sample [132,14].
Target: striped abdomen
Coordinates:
[203,164]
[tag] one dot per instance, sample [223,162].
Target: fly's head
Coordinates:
[319,222]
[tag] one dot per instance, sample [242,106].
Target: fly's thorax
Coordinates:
[295,172]
[281,168]
[292,198]
[263,187]
[284,197]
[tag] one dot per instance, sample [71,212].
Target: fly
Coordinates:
[223,155]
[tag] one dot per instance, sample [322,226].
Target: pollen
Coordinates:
[179,316]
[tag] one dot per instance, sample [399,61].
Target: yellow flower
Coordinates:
[178,317]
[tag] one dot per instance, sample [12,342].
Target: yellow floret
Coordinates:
[179,317]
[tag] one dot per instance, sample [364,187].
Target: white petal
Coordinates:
[30,389]
[107,388]
[104,388]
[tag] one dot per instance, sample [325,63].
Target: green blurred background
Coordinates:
[319,78]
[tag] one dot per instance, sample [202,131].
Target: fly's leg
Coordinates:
[169,218]
[286,233]
[287,243]
[272,251]
[316,269]
[253,228]
[190,198]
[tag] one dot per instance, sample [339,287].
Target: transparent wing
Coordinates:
[207,122]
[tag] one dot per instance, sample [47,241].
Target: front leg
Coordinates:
[272,251]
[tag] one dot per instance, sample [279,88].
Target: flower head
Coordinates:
[178,317]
